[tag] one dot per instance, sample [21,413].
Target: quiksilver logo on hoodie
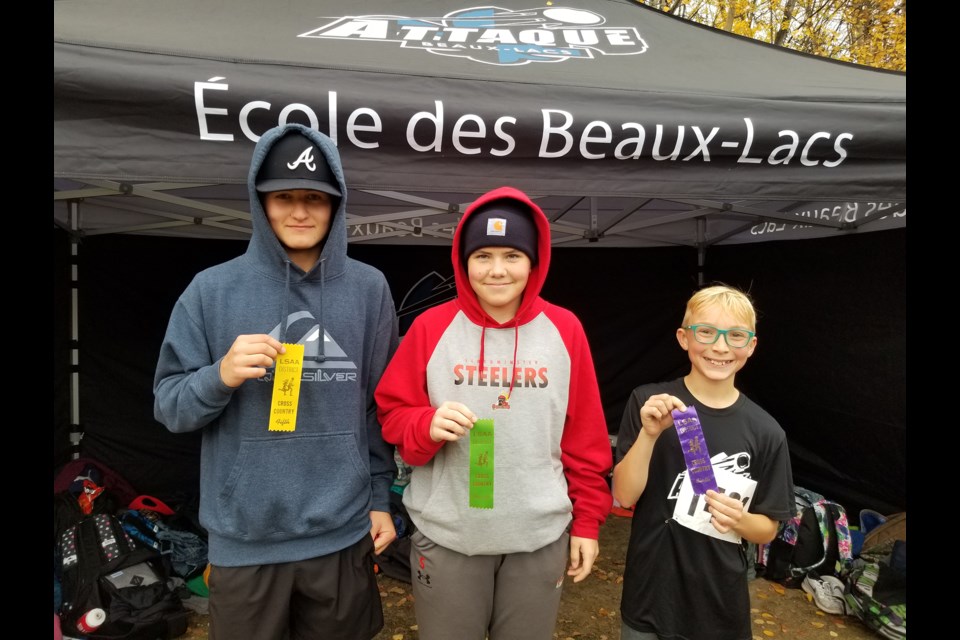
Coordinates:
[333,365]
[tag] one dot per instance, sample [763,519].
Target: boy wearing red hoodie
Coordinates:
[493,398]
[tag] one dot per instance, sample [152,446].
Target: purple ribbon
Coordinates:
[694,447]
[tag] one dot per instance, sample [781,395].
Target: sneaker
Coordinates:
[827,593]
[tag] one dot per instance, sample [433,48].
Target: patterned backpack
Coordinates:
[817,539]
[876,593]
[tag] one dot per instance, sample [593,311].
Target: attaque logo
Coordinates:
[493,35]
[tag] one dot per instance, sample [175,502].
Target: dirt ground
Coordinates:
[590,610]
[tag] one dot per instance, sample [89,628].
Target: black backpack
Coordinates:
[68,512]
[102,568]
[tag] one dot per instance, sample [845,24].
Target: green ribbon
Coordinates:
[481,464]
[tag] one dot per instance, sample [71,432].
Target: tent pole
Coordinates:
[73,216]
[594,234]
[701,250]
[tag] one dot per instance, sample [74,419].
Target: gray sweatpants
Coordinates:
[514,596]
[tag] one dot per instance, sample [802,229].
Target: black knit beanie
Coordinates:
[500,223]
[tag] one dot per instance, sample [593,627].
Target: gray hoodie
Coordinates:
[282,496]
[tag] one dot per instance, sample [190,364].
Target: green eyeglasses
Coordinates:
[709,334]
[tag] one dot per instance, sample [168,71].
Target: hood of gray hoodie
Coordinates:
[266,253]
[265,249]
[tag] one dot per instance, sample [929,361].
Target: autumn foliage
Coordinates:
[867,32]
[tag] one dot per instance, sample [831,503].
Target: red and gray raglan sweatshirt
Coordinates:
[551,446]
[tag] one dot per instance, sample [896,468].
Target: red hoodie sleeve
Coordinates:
[403,405]
[585,445]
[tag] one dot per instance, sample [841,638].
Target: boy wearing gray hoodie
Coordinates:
[275,355]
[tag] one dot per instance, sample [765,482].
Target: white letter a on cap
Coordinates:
[306,157]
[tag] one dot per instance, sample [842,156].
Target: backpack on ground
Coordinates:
[85,486]
[103,568]
[68,510]
[876,593]
[817,539]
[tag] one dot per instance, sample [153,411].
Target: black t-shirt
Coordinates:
[679,583]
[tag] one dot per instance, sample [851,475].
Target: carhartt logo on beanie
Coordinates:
[501,223]
[295,162]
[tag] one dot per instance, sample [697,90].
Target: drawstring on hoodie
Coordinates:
[322,347]
[285,316]
[516,341]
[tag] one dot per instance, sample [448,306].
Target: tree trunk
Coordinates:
[784,29]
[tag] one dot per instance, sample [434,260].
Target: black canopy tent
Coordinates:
[654,132]
[632,128]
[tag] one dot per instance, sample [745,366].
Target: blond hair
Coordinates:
[730,299]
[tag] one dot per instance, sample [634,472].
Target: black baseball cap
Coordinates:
[295,162]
